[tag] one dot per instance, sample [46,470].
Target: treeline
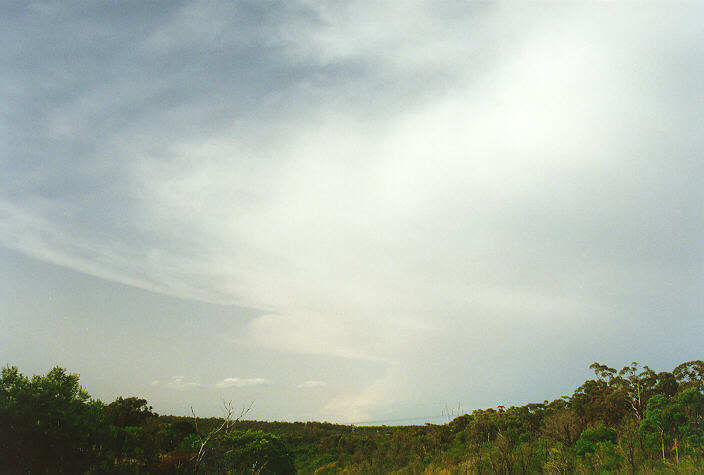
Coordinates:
[628,421]
[49,424]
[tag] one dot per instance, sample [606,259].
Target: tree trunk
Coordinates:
[662,445]
[677,453]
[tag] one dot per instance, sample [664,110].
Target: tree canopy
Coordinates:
[633,419]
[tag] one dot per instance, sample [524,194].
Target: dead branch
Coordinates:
[226,425]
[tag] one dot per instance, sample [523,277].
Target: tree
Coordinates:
[666,384]
[663,417]
[128,412]
[600,401]
[255,452]
[48,423]
[562,425]
[691,403]
[204,440]
[640,385]
[591,437]
[127,418]
[690,375]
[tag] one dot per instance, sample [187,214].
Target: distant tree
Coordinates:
[666,384]
[618,421]
[128,412]
[254,452]
[482,426]
[603,400]
[639,386]
[172,435]
[131,435]
[126,418]
[690,375]
[459,423]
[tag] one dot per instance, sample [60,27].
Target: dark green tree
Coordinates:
[662,421]
[255,452]
[591,437]
[130,434]
[691,430]
[128,412]
[48,424]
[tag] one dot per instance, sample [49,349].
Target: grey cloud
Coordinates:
[383,182]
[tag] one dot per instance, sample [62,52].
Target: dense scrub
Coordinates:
[632,420]
[49,424]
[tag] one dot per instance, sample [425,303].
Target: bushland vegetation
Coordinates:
[631,420]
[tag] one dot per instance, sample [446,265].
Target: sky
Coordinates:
[356,212]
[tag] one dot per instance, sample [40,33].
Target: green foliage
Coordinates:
[590,438]
[172,436]
[48,423]
[690,375]
[605,458]
[132,436]
[255,452]
[691,401]
[663,416]
[632,420]
[128,412]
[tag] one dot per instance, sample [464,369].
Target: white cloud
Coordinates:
[241,383]
[181,384]
[465,175]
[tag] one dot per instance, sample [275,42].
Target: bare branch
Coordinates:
[226,425]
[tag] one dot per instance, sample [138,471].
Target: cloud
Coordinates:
[241,383]
[421,186]
[312,384]
[181,384]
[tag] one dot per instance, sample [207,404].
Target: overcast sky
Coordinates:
[349,211]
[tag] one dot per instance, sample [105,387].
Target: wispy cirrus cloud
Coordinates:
[416,186]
